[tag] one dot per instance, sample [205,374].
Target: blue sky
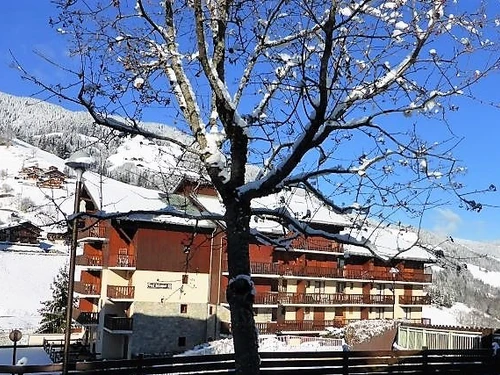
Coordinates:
[25,28]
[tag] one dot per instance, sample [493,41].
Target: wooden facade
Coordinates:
[21,232]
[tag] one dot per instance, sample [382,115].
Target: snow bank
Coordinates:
[270,343]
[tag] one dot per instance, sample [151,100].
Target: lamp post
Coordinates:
[393,271]
[79,162]
[14,336]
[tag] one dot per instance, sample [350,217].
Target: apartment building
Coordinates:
[315,283]
[154,284]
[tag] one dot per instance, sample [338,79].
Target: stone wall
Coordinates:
[159,327]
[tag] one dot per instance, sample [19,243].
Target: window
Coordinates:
[351,286]
[181,341]
[407,312]
[185,279]
[341,263]
[307,313]
[274,315]
[340,287]
[282,285]
[184,308]
[319,287]
[210,310]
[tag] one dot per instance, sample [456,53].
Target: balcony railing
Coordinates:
[322,299]
[120,292]
[121,261]
[317,244]
[86,317]
[89,260]
[89,232]
[293,270]
[414,300]
[298,325]
[87,289]
[118,323]
[259,268]
[385,275]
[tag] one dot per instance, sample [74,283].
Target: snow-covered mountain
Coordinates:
[133,160]
[466,286]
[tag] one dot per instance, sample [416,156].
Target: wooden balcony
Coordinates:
[414,300]
[88,290]
[322,299]
[117,292]
[275,269]
[92,232]
[89,261]
[298,326]
[317,244]
[333,299]
[86,318]
[386,276]
[293,270]
[118,324]
[122,261]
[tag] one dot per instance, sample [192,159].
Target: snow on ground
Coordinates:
[25,277]
[446,316]
[270,343]
[488,277]
[363,330]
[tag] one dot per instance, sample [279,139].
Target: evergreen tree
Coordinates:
[54,310]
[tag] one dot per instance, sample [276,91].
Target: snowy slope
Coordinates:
[21,198]
[130,159]
[25,279]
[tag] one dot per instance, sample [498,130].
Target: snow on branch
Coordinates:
[304,228]
[148,215]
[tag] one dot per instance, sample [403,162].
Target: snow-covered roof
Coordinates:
[299,202]
[14,224]
[399,243]
[304,206]
[113,196]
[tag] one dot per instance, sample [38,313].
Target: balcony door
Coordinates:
[408,290]
[364,313]
[319,314]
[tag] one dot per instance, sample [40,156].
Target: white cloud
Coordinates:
[445,221]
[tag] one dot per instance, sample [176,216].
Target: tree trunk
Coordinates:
[240,293]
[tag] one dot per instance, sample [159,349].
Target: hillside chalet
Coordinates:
[155,285]
[51,178]
[20,232]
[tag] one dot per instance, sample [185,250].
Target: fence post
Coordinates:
[345,363]
[425,360]
[140,359]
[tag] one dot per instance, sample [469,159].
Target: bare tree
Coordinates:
[347,98]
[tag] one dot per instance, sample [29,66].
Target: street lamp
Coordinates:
[393,271]
[14,336]
[79,162]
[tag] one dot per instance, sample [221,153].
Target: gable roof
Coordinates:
[299,202]
[114,197]
[397,243]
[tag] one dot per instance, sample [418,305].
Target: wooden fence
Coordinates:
[477,362]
